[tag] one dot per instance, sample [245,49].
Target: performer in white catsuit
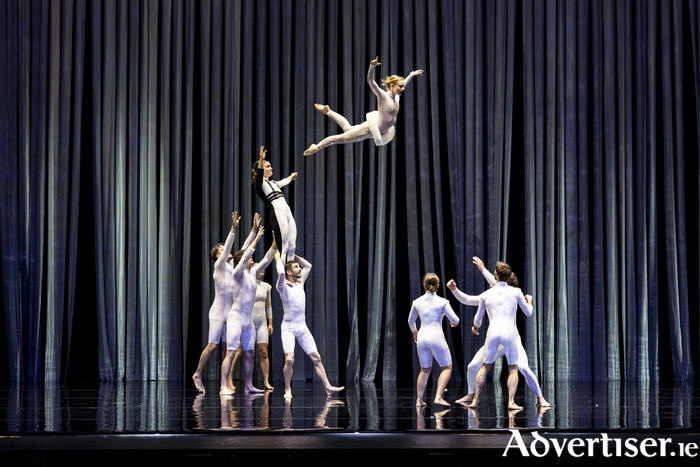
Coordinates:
[262,323]
[239,322]
[501,304]
[475,364]
[221,254]
[430,339]
[279,214]
[290,285]
[379,124]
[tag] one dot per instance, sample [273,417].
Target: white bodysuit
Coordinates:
[243,289]
[431,339]
[294,304]
[379,124]
[262,309]
[280,215]
[222,290]
[501,304]
[475,364]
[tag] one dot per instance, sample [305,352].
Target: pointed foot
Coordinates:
[331,389]
[198,383]
[324,109]
[313,149]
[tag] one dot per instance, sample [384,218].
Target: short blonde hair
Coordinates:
[391,80]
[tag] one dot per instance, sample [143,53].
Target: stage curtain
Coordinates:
[142,104]
[604,151]
[41,89]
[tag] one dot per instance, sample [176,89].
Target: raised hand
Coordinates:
[452,285]
[235,219]
[256,222]
[263,153]
[479,263]
[375,62]
[294,175]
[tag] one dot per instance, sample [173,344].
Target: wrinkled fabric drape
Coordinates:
[41,101]
[142,158]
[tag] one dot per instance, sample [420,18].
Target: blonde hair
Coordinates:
[391,80]
[431,282]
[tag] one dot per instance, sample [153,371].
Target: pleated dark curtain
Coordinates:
[555,135]
[604,157]
[41,91]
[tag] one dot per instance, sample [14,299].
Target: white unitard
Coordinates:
[501,304]
[294,304]
[243,288]
[379,124]
[280,215]
[222,290]
[431,339]
[262,310]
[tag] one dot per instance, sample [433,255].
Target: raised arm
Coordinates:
[280,273]
[525,303]
[253,232]
[487,275]
[305,267]
[221,260]
[370,78]
[255,270]
[247,254]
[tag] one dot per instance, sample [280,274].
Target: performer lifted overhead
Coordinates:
[279,215]
[379,124]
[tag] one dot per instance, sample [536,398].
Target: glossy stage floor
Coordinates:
[168,423]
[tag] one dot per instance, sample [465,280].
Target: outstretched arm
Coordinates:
[487,275]
[411,75]
[286,181]
[471,300]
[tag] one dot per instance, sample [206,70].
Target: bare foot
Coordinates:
[288,394]
[420,403]
[514,406]
[324,109]
[268,387]
[224,391]
[441,401]
[198,383]
[474,405]
[467,398]
[543,402]
[313,149]
[331,389]
[252,389]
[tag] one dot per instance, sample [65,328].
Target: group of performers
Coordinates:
[242,306]
[500,302]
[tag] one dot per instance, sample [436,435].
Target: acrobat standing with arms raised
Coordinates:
[379,124]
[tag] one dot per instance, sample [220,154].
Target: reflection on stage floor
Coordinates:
[174,407]
[139,422]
